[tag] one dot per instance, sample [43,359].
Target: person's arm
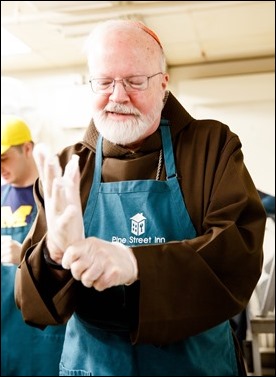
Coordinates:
[51,309]
[45,283]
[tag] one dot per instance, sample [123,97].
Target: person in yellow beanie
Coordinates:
[19,172]
[25,350]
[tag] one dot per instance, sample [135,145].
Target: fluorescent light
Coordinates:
[11,45]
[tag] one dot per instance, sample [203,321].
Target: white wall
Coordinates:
[57,106]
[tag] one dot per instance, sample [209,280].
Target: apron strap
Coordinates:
[168,149]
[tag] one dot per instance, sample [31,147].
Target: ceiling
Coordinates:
[192,32]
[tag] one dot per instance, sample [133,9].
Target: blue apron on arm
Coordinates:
[25,350]
[142,212]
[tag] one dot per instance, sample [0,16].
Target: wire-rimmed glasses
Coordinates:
[131,84]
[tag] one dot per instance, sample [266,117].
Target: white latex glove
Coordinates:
[101,264]
[62,202]
[10,250]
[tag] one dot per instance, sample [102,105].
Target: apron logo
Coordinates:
[138,224]
[138,228]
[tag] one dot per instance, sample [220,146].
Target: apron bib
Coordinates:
[138,213]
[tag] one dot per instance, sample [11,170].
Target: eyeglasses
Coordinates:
[131,84]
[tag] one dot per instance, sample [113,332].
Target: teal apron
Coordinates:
[141,212]
[25,350]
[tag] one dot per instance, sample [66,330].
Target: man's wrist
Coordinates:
[49,260]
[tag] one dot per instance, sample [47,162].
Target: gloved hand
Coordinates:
[10,250]
[62,202]
[101,264]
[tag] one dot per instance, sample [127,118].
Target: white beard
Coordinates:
[128,131]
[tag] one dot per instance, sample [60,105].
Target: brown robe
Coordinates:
[185,287]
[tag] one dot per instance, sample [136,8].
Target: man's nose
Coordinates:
[119,91]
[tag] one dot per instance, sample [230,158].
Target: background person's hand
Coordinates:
[10,250]
[62,202]
[101,264]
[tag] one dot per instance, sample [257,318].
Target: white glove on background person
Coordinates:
[100,263]
[10,250]
[62,202]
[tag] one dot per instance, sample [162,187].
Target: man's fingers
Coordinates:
[58,195]
[48,167]
[52,170]
[72,168]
